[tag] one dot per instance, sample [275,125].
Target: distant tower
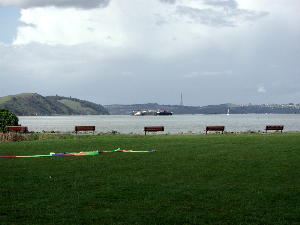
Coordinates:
[181,101]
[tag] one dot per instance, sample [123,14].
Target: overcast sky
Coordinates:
[141,51]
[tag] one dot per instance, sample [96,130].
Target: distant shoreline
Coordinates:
[208,114]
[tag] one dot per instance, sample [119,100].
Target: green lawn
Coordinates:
[191,179]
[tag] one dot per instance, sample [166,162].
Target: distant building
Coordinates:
[181,100]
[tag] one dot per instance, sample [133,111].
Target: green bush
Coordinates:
[7,118]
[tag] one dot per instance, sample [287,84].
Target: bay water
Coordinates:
[175,124]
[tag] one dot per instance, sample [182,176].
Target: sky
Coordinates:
[151,51]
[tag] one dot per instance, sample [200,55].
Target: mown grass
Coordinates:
[192,179]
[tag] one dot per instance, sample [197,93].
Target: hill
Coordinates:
[30,104]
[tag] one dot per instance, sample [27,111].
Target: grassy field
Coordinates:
[191,179]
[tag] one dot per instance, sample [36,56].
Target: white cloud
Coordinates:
[196,74]
[127,74]
[132,28]
[70,26]
[217,73]
[159,31]
[261,89]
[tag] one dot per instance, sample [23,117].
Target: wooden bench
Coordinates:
[214,128]
[17,129]
[154,129]
[85,128]
[274,127]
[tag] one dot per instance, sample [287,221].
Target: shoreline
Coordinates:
[36,136]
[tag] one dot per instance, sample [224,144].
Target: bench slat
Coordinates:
[85,128]
[17,129]
[274,127]
[154,129]
[215,128]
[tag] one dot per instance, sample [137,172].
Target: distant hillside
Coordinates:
[30,104]
[210,109]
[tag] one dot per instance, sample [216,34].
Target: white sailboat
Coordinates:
[228,112]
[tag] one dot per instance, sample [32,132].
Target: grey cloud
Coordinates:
[168,1]
[222,3]
[84,4]
[79,71]
[219,18]
[216,3]
[160,20]
[267,56]
[248,15]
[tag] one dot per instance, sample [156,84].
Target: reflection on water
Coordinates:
[173,124]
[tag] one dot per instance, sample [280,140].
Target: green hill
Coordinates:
[29,104]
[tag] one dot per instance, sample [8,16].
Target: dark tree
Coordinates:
[7,118]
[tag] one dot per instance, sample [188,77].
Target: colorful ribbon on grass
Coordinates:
[66,154]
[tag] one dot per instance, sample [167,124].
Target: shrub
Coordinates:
[12,137]
[7,118]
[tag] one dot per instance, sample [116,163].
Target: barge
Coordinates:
[151,113]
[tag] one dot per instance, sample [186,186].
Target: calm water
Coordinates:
[173,124]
